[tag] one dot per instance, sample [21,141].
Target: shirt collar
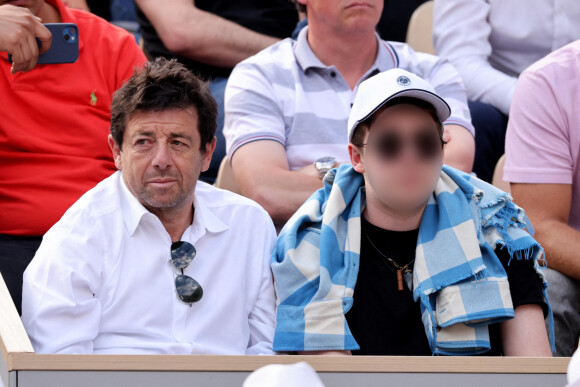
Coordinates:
[304,55]
[134,211]
[204,216]
[386,56]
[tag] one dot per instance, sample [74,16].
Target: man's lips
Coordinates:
[161,182]
[358,4]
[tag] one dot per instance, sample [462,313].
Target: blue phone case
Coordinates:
[64,47]
[65,44]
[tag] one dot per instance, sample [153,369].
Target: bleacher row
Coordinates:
[21,367]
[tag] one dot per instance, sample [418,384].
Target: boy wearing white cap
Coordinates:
[399,254]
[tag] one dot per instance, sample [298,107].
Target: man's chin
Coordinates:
[163,202]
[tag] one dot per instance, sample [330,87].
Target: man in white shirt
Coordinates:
[491,42]
[151,260]
[287,107]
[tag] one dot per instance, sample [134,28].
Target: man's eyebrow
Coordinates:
[143,133]
[180,135]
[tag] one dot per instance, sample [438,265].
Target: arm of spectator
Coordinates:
[18,30]
[460,148]
[525,334]
[188,31]
[262,170]
[255,132]
[540,161]
[461,35]
[60,311]
[550,219]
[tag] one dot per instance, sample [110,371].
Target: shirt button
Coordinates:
[333,74]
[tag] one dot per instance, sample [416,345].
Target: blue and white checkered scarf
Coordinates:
[459,281]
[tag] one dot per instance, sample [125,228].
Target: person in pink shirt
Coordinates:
[543,167]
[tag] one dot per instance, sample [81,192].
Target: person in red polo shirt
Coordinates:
[54,122]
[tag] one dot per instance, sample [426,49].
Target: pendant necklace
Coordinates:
[402,271]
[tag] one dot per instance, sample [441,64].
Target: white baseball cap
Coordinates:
[284,375]
[383,87]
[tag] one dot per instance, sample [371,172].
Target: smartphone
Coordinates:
[64,47]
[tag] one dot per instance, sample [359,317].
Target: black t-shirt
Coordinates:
[385,321]
[276,18]
[395,19]
[100,8]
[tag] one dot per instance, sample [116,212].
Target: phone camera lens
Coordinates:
[67,37]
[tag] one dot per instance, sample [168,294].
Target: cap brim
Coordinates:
[441,107]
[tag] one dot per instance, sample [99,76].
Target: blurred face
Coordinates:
[341,14]
[402,158]
[33,5]
[160,158]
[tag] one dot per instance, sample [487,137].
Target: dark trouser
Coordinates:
[564,296]
[16,252]
[490,127]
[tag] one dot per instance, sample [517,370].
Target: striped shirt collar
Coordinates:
[386,57]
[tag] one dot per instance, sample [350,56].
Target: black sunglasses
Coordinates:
[188,289]
[390,145]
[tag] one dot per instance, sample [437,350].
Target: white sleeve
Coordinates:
[262,319]
[60,310]
[443,77]
[461,35]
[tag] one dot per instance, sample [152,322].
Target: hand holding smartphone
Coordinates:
[19,29]
[64,47]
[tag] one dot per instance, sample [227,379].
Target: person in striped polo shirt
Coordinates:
[287,107]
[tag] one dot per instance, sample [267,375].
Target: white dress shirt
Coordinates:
[102,280]
[491,42]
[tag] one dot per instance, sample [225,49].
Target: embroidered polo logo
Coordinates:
[93,98]
[403,80]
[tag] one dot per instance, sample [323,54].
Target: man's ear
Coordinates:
[206,159]
[116,152]
[356,158]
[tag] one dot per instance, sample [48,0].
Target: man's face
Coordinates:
[33,5]
[160,158]
[350,15]
[402,158]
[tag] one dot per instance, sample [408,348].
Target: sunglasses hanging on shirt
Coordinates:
[188,289]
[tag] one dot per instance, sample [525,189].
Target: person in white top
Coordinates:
[152,261]
[491,42]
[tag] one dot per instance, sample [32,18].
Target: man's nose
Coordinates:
[162,157]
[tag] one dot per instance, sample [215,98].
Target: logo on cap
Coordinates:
[403,81]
